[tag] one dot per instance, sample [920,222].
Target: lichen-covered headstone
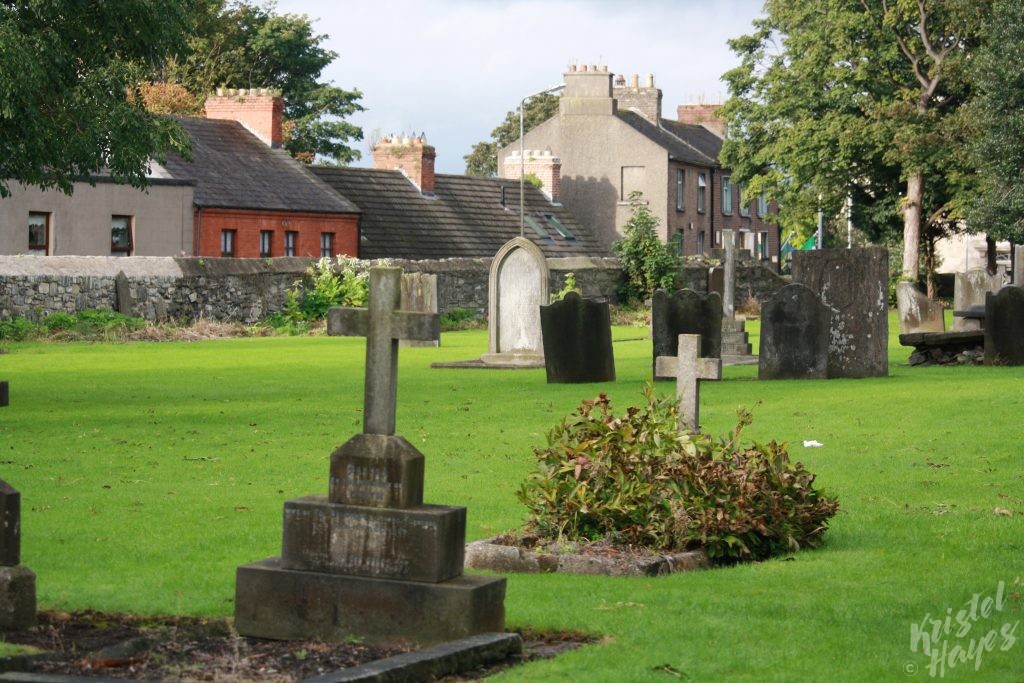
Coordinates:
[917,313]
[1004,327]
[794,335]
[853,283]
[685,312]
[969,290]
[577,341]
[419,293]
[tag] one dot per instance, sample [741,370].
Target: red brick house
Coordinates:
[251,199]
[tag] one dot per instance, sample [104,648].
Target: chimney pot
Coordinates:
[650,80]
[634,81]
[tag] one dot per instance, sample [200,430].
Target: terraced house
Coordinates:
[610,140]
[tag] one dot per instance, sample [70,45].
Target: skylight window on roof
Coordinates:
[559,226]
[537,228]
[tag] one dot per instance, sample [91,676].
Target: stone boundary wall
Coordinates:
[235,290]
[247,290]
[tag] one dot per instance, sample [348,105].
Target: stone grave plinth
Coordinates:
[17,583]
[370,560]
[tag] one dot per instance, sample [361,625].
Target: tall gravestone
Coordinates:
[1004,327]
[517,286]
[918,313]
[5,394]
[371,560]
[419,294]
[853,283]
[969,290]
[685,312]
[17,583]
[794,335]
[1018,265]
[577,341]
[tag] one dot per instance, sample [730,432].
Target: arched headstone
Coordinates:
[516,289]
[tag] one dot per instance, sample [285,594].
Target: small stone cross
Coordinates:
[383,325]
[689,369]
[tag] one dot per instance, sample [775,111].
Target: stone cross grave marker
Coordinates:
[383,325]
[689,369]
[370,559]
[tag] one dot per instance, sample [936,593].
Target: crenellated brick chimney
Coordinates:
[412,155]
[644,100]
[542,164]
[260,110]
[702,115]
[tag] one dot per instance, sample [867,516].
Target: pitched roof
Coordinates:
[678,148]
[233,169]
[464,218]
[697,136]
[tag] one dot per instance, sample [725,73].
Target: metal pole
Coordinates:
[849,221]
[821,223]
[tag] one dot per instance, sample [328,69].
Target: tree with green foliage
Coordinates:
[69,106]
[859,98]
[239,45]
[998,120]
[647,263]
[483,159]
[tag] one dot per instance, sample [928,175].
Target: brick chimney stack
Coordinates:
[411,155]
[702,115]
[645,100]
[543,164]
[260,110]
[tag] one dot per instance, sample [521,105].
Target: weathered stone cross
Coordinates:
[383,325]
[689,369]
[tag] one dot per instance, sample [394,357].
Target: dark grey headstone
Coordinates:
[17,598]
[10,525]
[794,335]
[1004,327]
[577,341]
[685,312]
[124,294]
[853,283]
[5,394]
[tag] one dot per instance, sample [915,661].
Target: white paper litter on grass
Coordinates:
[813,444]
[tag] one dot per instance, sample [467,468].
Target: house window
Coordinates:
[744,205]
[763,246]
[326,244]
[266,238]
[762,205]
[227,243]
[700,242]
[39,233]
[121,236]
[680,190]
[702,187]
[290,238]
[726,196]
[632,181]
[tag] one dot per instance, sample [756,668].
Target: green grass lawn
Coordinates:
[150,471]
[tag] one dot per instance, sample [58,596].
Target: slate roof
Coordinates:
[464,218]
[233,169]
[697,136]
[678,148]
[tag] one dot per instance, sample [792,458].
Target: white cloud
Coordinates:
[453,69]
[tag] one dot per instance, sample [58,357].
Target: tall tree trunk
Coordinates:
[912,225]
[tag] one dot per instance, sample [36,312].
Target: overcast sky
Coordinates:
[453,68]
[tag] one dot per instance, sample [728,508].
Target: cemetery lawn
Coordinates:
[150,471]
